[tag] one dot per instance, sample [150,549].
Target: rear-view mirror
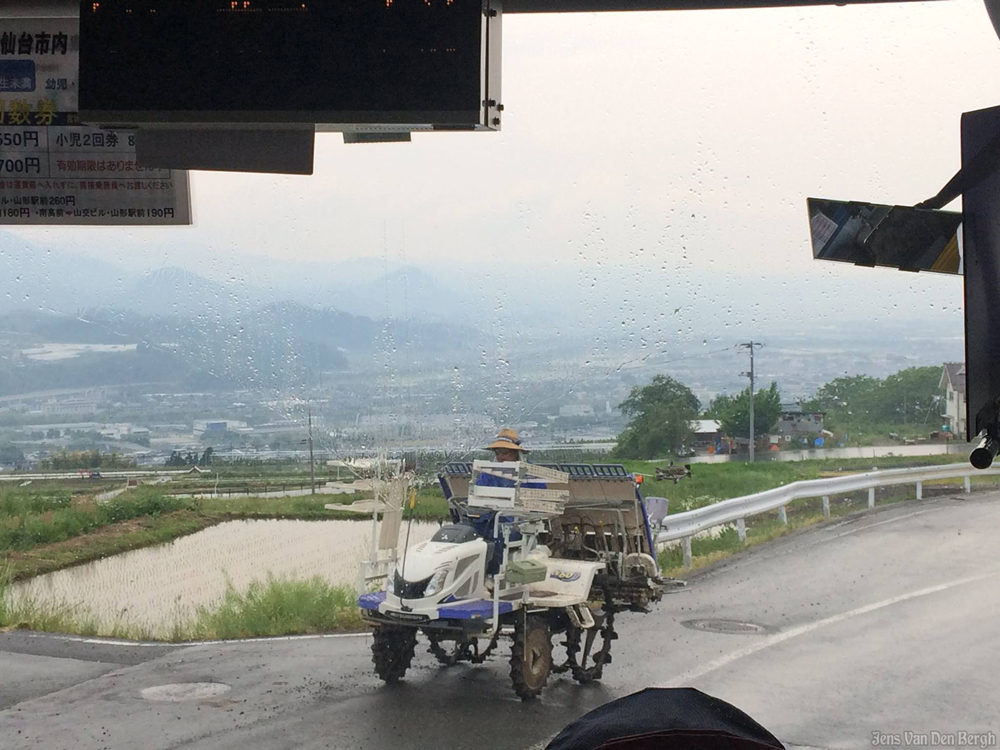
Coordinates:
[871,234]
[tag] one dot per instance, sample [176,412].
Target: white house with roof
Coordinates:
[706,432]
[953,384]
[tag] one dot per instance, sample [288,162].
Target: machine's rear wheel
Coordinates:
[464,648]
[392,651]
[441,652]
[531,656]
[590,650]
[449,651]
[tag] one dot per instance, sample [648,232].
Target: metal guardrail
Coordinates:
[683,526]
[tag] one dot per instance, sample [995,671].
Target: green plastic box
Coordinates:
[525,571]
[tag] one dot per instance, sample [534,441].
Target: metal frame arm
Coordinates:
[59,8]
[590,6]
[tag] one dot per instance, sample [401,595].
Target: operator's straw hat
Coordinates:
[507,439]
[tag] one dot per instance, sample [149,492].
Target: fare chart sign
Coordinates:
[54,171]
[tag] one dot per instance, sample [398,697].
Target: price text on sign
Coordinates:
[53,171]
[76,175]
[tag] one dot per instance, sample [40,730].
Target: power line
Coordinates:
[623,366]
[750,346]
[644,363]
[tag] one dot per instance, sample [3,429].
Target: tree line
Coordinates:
[95,459]
[661,414]
[191,458]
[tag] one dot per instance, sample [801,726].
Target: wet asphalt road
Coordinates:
[886,622]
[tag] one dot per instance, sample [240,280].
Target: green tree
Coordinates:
[911,395]
[660,416]
[907,397]
[76,460]
[849,400]
[734,412]
[11,455]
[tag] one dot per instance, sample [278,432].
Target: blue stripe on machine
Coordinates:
[371,601]
[473,610]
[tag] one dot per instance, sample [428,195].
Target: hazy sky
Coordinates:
[677,145]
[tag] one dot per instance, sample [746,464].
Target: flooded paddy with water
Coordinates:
[159,586]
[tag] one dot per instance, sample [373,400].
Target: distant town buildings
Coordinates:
[576,410]
[216,426]
[953,383]
[70,401]
[417,426]
[116,431]
[70,406]
[124,431]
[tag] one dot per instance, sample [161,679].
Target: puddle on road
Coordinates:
[158,586]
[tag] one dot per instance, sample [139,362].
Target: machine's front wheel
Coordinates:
[530,656]
[392,651]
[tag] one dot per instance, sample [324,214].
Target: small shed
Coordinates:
[706,432]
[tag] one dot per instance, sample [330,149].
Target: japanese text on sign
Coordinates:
[39,62]
[75,175]
[52,172]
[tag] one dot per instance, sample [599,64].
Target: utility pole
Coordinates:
[750,346]
[312,464]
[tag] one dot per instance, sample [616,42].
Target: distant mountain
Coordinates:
[32,275]
[357,334]
[277,345]
[408,293]
[175,291]
[83,327]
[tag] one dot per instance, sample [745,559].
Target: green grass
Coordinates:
[18,501]
[27,521]
[45,530]
[304,507]
[25,613]
[275,606]
[47,527]
[710,483]
[430,505]
[801,513]
[104,542]
[210,483]
[864,435]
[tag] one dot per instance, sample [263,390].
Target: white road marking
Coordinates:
[270,639]
[190,644]
[877,523]
[690,676]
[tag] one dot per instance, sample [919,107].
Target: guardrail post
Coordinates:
[741,529]
[920,490]
[871,497]
[968,485]
[783,515]
[826,506]
[686,547]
